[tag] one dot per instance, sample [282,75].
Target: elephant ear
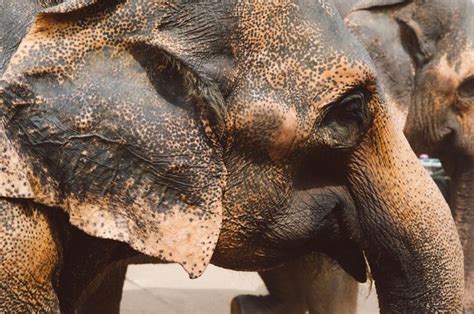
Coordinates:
[121,135]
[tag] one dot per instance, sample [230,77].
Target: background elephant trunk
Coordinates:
[408,233]
[462,203]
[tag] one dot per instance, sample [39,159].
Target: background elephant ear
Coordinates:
[122,136]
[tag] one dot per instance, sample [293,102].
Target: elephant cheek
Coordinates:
[284,136]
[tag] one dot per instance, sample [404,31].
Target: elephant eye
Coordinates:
[345,120]
[466,89]
[352,106]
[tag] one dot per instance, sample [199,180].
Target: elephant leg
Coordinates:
[30,255]
[330,289]
[284,293]
[93,274]
[107,294]
[313,284]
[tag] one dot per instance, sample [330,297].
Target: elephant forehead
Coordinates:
[282,49]
[315,76]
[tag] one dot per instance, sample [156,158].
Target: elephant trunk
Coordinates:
[462,203]
[408,233]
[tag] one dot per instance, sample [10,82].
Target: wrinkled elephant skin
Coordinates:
[248,136]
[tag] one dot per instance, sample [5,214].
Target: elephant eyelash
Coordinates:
[354,92]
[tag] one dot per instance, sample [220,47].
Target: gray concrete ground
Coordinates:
[167,289]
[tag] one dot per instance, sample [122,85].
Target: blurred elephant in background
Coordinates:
[423,52]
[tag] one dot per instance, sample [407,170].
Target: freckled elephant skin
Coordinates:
[28,259]
[249,136]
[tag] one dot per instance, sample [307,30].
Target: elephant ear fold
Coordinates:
[69,6]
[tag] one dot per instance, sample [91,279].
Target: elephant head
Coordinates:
[424,53]
[245,132]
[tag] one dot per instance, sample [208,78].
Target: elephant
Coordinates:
[328,281]
[441,122]
[422,52]
[240,133]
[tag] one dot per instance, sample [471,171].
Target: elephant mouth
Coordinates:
[334,227]
[444,142]
[342,239]
[320,219]
[432,143]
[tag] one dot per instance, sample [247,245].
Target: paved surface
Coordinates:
[167,289]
